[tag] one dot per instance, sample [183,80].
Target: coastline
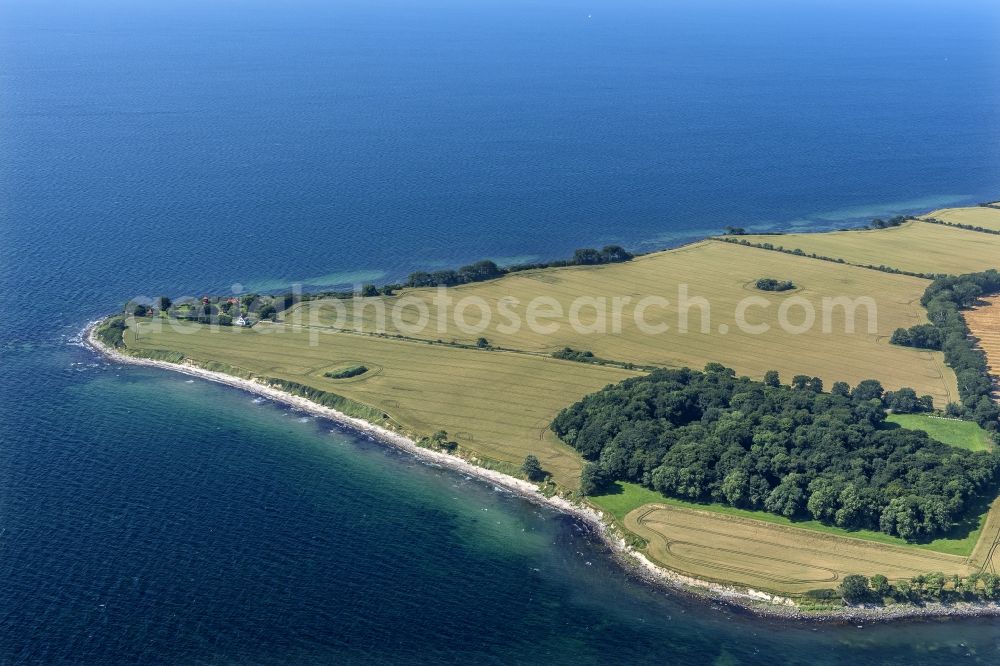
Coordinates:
[633,561]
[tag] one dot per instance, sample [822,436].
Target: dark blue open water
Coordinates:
[182,147]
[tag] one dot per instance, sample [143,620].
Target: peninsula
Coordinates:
[791,422]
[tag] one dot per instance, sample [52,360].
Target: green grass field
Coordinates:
[497,404]
[918,247]
[724,275]
[977,216]
[631,496]
[953,432]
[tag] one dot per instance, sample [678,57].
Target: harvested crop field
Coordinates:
[986,555]
[497,404]
[917,247]
[984,322]
[976,216]
[720,275]
[775,558]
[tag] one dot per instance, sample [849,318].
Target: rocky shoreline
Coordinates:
[754,601]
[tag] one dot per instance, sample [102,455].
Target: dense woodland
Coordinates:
[944,300]
[790,450]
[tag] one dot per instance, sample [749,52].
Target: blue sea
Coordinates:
[186,147]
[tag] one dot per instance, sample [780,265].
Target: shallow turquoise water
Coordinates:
[179,149]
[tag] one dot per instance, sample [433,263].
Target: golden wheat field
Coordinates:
[498,404]
[720,275]
[917,247]
[977,216]
[986,555]
[984,323]
[776,558]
